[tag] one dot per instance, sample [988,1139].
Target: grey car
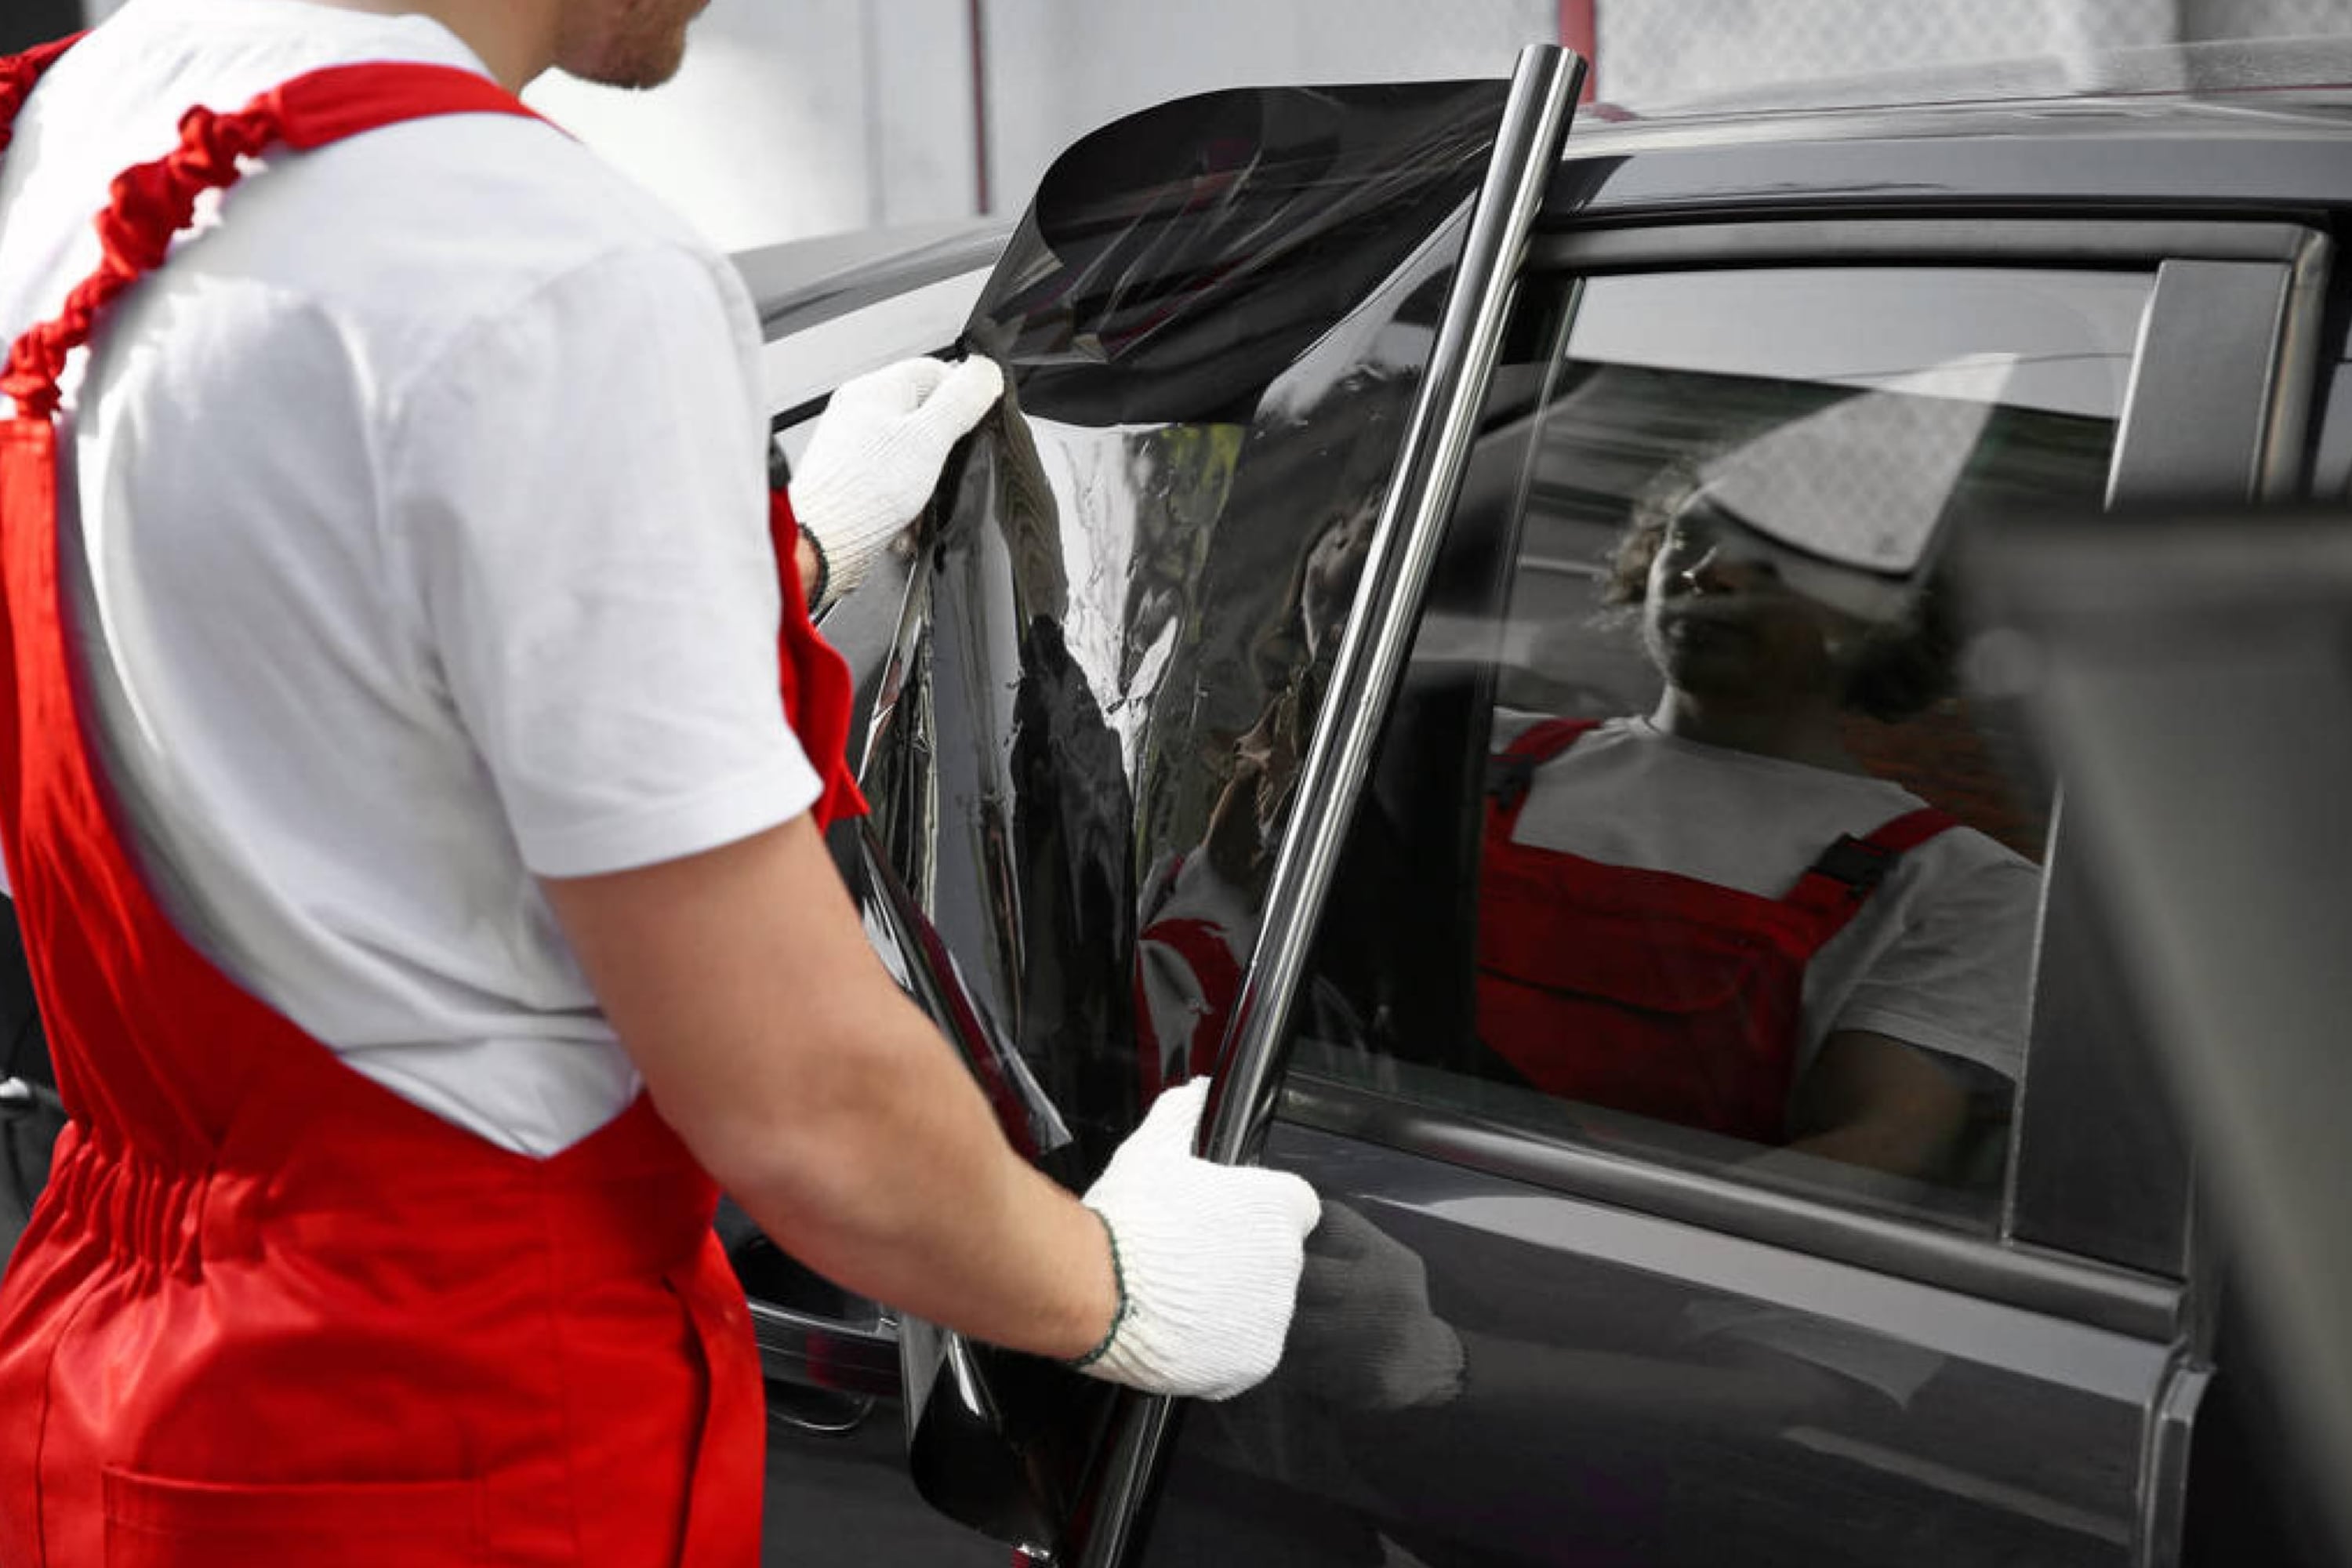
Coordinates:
[1186,727]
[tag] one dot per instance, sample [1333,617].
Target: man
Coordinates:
[400,784]
[1711,914]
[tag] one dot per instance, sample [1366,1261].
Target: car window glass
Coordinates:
[1686,840]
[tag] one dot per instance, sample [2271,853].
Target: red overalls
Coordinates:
[1652,993]
[269,1313]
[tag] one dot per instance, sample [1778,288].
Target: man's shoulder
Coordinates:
[1963,867]
[488,200]
[430,219]
[420,236]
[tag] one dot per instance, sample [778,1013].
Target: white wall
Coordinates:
[799,118]
[1058,69]
[804,116]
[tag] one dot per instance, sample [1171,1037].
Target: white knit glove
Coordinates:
[877,453]
[1208,1258]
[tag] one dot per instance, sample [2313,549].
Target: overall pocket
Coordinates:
[153,1522]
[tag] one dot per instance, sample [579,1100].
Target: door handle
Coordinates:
[815,1350]
[22,1097]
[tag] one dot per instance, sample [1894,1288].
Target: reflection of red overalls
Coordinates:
[1649,992]
[267,1313]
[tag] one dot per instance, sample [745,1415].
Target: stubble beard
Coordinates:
[633,44]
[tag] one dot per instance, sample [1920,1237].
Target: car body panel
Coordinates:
[1643,1390]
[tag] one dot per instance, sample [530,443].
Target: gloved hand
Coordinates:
[876,455]
[1365,1338]
[1208,1256]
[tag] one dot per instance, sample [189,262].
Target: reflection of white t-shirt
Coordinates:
[1939,956]
[422,546]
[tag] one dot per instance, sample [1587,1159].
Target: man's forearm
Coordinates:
[1874,1100]
[896,1181]
[741,981]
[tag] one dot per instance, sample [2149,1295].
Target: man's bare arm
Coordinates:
[1872,1099]
[741,983]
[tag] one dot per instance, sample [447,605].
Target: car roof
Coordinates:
[2288,148]
[805,283]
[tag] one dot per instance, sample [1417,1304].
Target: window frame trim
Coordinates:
[2038,1279]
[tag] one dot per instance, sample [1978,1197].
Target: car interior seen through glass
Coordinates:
[1698,846]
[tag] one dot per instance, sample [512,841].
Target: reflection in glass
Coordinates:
[1748,871]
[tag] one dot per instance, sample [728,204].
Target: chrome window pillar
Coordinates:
[1372,653]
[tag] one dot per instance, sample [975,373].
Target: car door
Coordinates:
[1675,1344]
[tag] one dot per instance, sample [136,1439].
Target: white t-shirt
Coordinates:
[420,546]
[1939,956]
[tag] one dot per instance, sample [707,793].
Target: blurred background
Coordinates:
[796,117]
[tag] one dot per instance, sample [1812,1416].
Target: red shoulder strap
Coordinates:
[1511,771]
[1910,830]
[152,202]
[19,74]
[1835,887]
[346,100]
[1540,743]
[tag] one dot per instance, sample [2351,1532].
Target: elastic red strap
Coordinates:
[150,204]
[19,74]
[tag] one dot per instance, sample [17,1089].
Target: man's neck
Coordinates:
[516,38]
[1800,732]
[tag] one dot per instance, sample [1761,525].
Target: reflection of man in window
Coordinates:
[1711,915]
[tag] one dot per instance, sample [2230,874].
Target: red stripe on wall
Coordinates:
[1579,29]
[976,38]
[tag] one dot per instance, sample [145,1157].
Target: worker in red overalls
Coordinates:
[420,876]
[1711,914]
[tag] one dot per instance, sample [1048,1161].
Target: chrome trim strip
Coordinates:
[2028,1278]
[2296,370]
[1433,448]
[2164,1472]
[1684,242]
[1370,657]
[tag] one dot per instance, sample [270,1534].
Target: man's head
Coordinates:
[1720,620]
